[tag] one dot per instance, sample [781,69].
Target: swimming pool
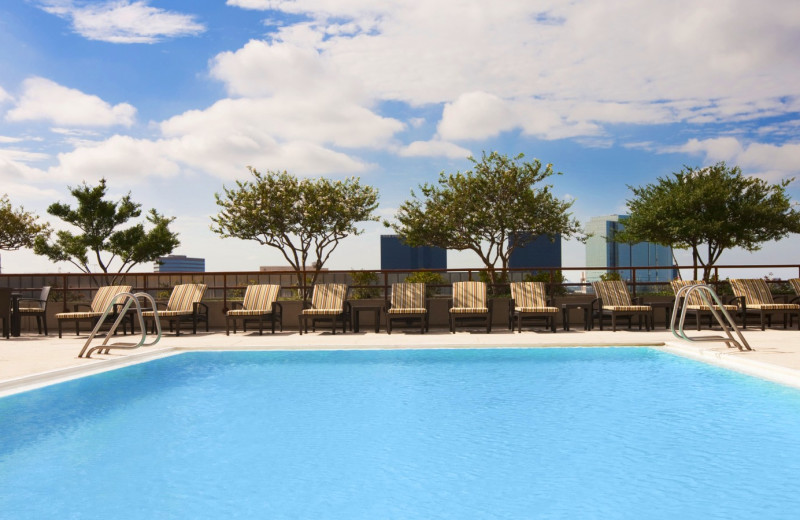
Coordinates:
[496,433]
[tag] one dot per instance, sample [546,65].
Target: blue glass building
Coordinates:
[180,264]
[602,251]
[395,254]
[540,252]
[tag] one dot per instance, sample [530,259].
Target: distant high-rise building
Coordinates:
[395,254]
[540,252]
[603,251]
[180,264]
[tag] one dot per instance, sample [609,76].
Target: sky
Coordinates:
[173,100]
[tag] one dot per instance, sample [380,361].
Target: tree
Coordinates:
[480,209]
[710,210]
[302,218]
[98,220]
[18,228]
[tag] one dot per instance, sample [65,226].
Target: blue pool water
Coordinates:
[461,434]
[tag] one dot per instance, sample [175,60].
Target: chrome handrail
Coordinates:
[719,312]
[130,299]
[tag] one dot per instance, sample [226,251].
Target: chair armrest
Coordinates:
[599,302]
[77,306]
[796,299]
[37,302]
[277,308]
[741,301]
[449,303]
[237,305]
[490,304]
[198,305]
[307,305]
[638,301]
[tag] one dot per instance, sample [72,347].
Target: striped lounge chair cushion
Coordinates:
[102,298]
[757,296]
[469,298]
[167,314]
[795,283]
[327,300]
[408,298]
[181,301]
[628,308]
[694,301]
[248,312]
[30,310]
[614,293]
[258,300]
[531,297]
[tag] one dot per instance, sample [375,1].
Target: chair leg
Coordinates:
[227,326]
[613,322]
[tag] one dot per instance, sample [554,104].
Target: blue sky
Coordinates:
[171,100]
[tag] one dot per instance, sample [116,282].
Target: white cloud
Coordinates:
[123,21]
[43,99]
[4,96]
[434,148]
[770,161]
[7,139]
[12,154]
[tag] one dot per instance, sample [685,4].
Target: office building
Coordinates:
[395,254]
[540,252]
[602,251]
[180,264]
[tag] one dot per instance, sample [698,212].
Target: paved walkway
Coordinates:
[31,360]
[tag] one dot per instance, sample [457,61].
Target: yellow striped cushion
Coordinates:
[260,297]
[795,283]
[551,310]
[529,294]
[754,290]
[78,315]
[184,297]
[775,307]
[408,295]
[469,295]
[322,312]
[167,314]
[706,307]
[627,308]
[328,296]
[29,310]
[408,310]
[613,293]
[469,310]
[104,295]
[249,312]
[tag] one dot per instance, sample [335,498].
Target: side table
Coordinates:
[358,309]
[566,307]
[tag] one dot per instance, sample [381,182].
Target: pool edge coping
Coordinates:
[774,373]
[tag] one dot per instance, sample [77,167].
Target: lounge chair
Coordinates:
[260,301]
[327,304]
[529,302]
[184,305]
[102,299]
[694,302]
[614,300]
[407,304]
[469,304]
[37,308]
[753,295]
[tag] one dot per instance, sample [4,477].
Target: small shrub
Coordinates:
[364,278]
[429,278]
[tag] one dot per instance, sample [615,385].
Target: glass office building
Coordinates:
[602,251]
[540,252]
[180,264]
[395,254]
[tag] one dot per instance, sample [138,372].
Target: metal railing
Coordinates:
[125,300]
[712,301]
[224,285]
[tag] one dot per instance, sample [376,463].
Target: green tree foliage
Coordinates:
[305,219]
[365,278]
[479,209]
[98,221]
[429,278]
[19,228]
[555,285]
[710,210]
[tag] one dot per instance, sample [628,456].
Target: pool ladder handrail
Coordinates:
[130,299]
[719,312]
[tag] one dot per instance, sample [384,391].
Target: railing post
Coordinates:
[633,280]
[224,292]
[64,284]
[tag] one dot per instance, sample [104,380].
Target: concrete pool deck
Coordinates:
[32,361]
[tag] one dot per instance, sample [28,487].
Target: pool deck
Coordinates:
[32,361]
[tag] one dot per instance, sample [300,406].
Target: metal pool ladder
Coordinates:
[127,300]
[719,312]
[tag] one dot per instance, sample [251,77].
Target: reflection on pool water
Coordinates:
[496,433]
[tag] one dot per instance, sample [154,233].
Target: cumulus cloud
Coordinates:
[434,148]
[4,96]
[772,161]
[123,21]
[46,100]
